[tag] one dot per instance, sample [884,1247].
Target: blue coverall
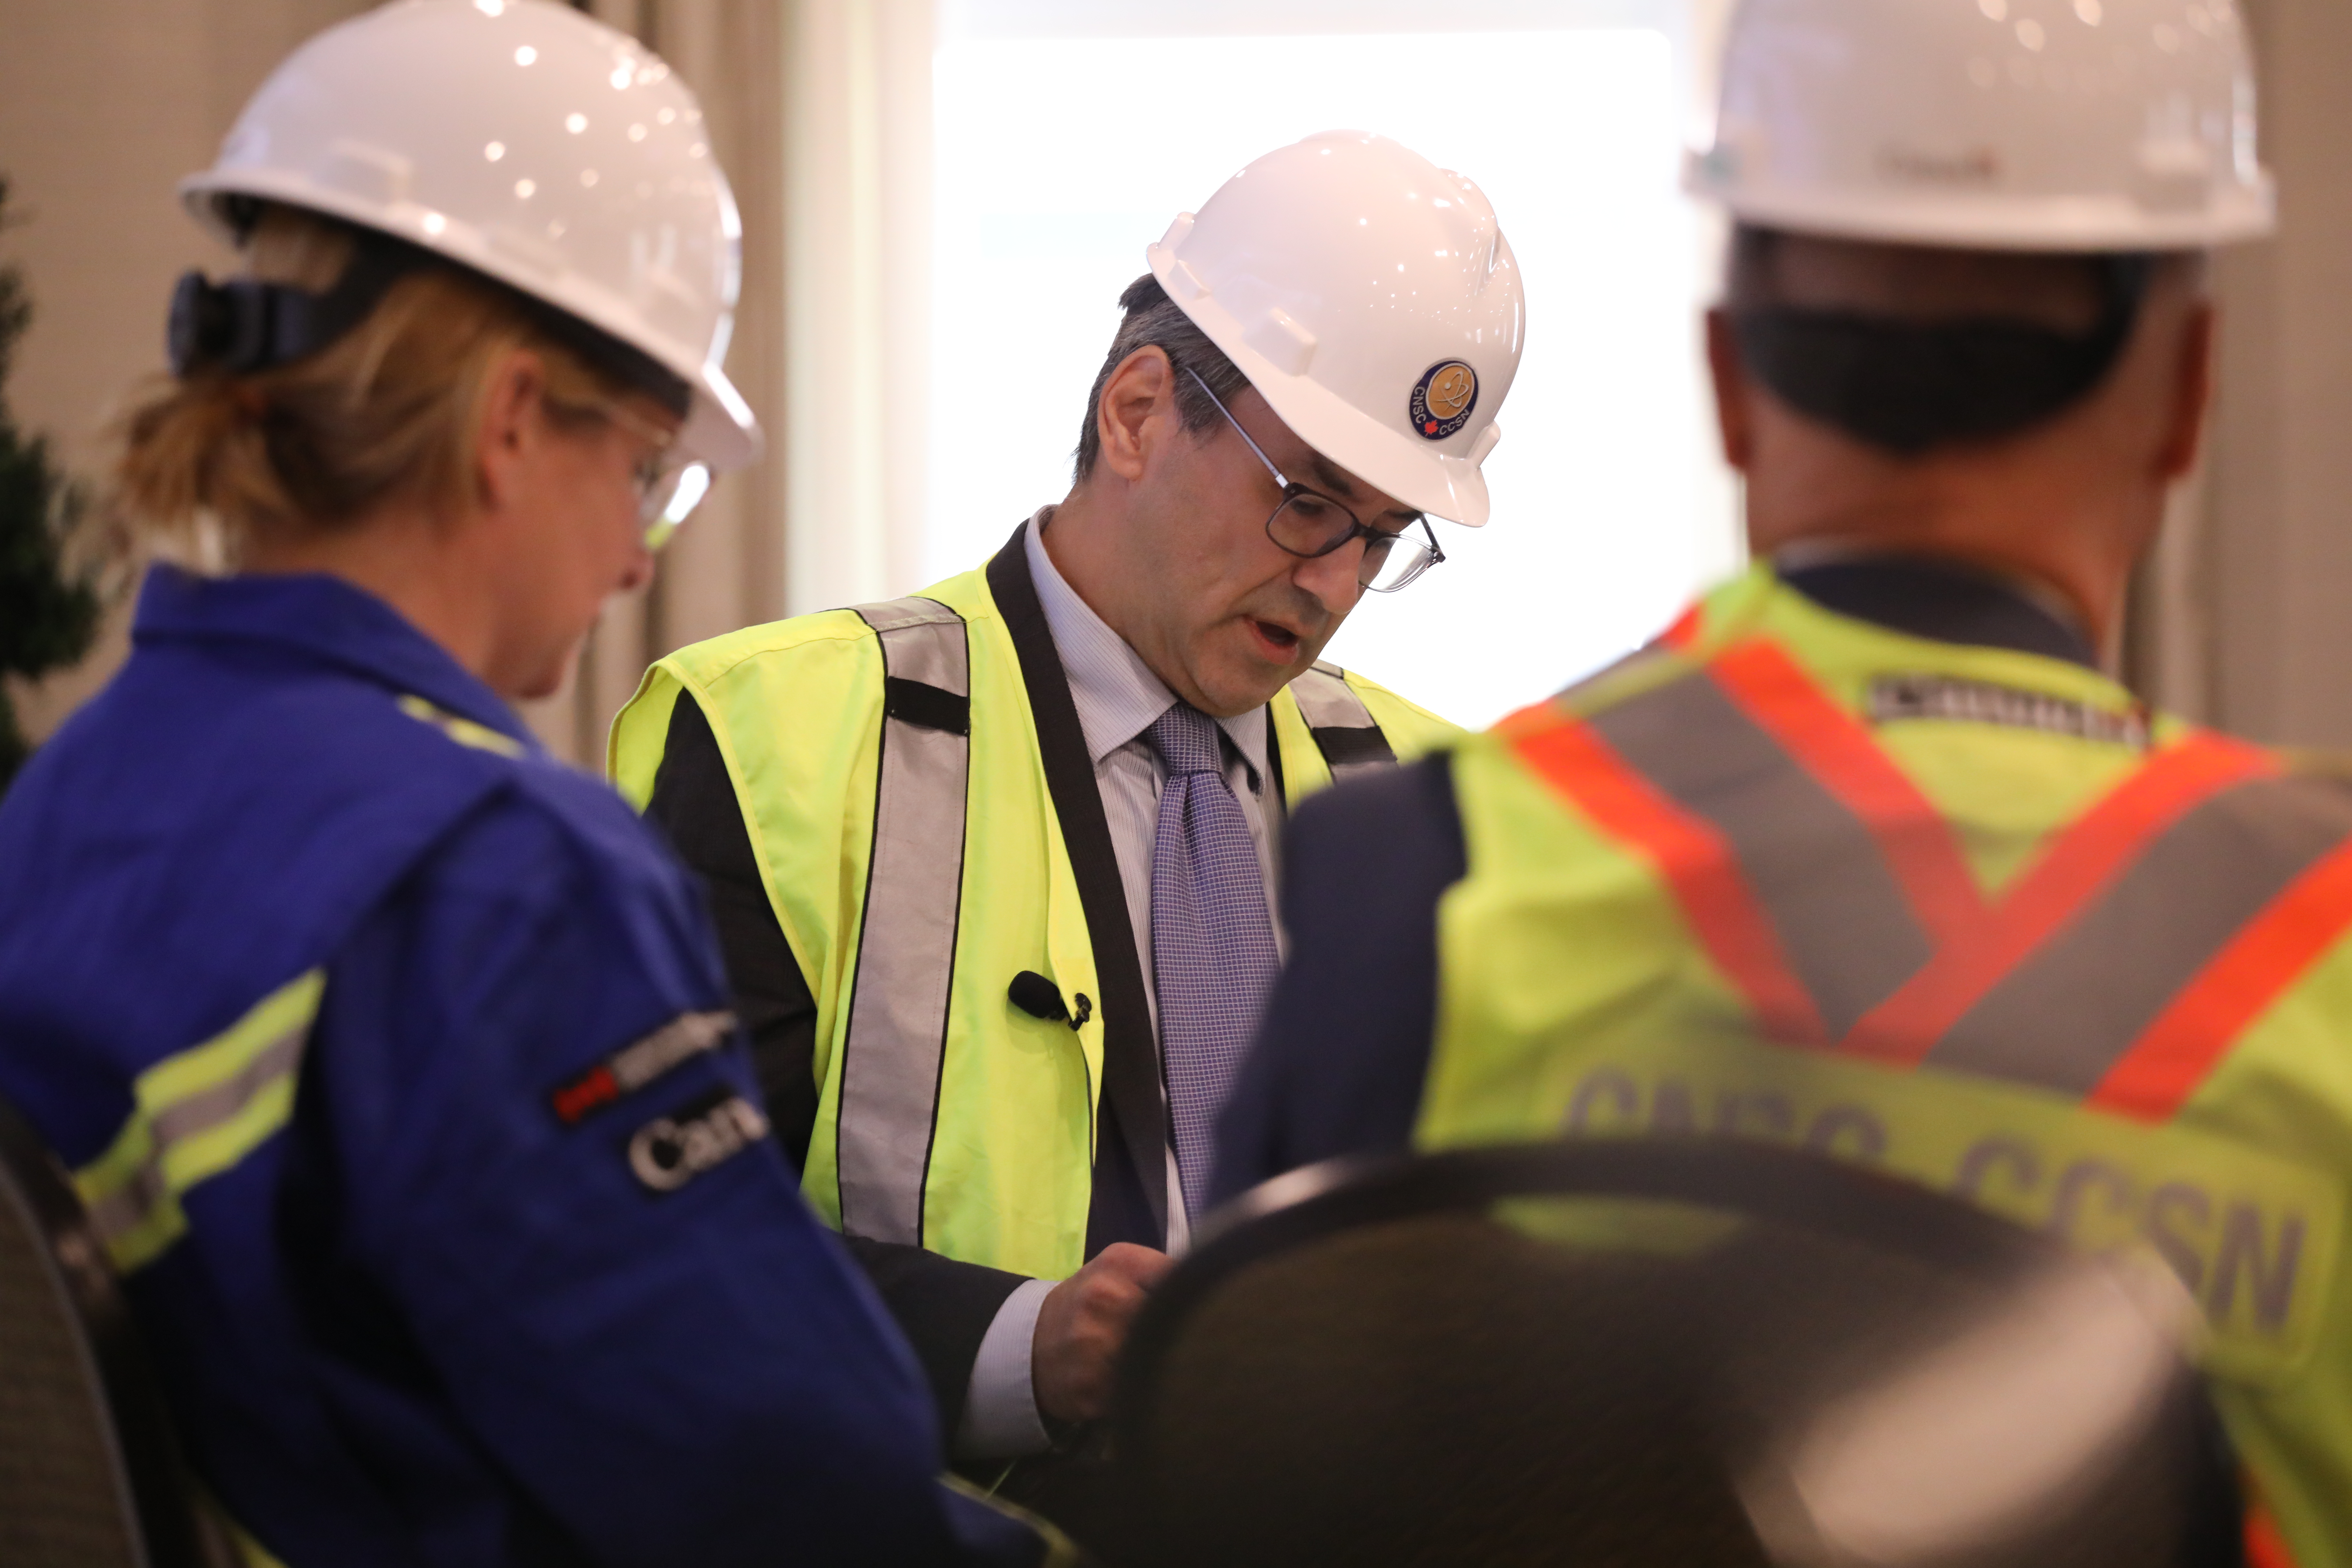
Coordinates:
[391,1057]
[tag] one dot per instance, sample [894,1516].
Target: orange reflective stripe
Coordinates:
[1745,785]
[1695,859]
[2082,861]
[2074,1007]
[1684,633]
[2266,1547]
[2166,1064]
[1845,927]
[1918,842]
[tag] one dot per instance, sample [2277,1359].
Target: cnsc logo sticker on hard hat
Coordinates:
[1443,399]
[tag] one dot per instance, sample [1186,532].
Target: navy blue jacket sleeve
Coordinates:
[1344,1048]
[688,1372]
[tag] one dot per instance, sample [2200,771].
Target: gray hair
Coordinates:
[1154,320]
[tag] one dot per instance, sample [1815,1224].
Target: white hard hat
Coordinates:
[2047,125]
[528,142]
[1370,298]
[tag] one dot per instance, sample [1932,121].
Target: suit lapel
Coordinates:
[1131,1086]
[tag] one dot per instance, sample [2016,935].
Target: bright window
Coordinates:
[1061,156]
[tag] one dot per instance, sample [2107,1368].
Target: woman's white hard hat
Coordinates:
[2043,125]
[1371,299]
[530,143]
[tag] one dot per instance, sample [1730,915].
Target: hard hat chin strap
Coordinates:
[246,325]
[1907,386]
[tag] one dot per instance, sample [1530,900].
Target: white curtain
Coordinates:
[820,113]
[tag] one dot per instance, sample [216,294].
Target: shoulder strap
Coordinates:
[897,1033]
[1344,728]
[1136,1127]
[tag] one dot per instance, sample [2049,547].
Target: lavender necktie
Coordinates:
[1213,949]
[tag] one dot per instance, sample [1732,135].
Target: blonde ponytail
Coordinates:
[385,413]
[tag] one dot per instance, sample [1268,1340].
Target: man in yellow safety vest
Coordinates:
[1865,853]
[990,861]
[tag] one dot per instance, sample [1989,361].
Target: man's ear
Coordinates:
[1735,416]
[1140,389]
[508,426]
[2192,394]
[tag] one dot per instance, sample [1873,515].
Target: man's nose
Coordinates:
[1332,578]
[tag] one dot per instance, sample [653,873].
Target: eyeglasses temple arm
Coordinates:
[1236,424]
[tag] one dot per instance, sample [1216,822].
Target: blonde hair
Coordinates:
[385,413]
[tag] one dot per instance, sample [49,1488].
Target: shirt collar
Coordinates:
[1117,695]
[323,619]
[1942,600]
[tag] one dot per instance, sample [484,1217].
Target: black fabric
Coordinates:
[245,324]
[1130,1189]
[1342,746]
[931,707]
[1939,600]
[1345,1043]
[694,803]
[1907,386]
[943,1306]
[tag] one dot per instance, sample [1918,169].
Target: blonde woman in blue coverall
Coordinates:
[390,1057]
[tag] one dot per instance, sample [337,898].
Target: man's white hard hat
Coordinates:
[2045,125]
[1370,298]
[528,142]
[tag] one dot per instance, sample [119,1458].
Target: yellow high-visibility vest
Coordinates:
[1969,915]
[888,763]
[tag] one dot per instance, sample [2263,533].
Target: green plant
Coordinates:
[48,614]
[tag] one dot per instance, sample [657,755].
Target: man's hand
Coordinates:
[1081,1325]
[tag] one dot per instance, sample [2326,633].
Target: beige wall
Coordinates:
[2277,558]
[2240,617]
[104,105]
[2245,618]
[726,569]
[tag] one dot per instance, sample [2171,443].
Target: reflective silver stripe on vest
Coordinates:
[906,946]
[1842,918]
[2068,1014]
[2072,1008]
[1343,728]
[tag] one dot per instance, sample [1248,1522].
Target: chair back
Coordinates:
[1694,1352]
[90,1472]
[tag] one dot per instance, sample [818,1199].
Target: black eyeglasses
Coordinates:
[1310,523]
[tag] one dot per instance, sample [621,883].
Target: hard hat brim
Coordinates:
[1435,482]
[719,430]
[2054,224]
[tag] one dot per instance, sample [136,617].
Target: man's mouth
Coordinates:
[1280,643]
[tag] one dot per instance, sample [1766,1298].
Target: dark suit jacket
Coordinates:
[944,1307]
